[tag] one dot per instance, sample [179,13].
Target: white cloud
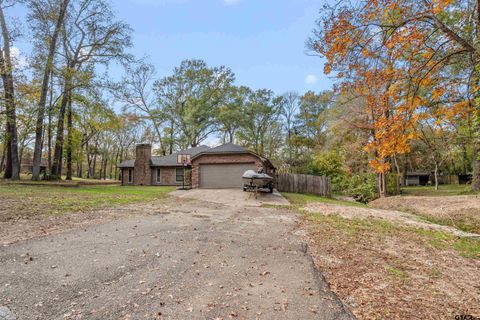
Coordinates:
[18,59]
[311,79]
[231,2]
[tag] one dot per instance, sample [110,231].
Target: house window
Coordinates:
[179,175]
[130,175]
[158,176]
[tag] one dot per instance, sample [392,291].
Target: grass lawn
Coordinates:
[452,205]
[30,200]
[384,270]
[443,190]
[298,199]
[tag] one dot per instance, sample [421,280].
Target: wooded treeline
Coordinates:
[406,97]
[55,108]
[414,68]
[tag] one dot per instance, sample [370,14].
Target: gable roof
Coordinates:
[227,148]
[172,159]
[168,160]
[231,148]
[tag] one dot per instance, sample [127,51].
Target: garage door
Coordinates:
[218,176]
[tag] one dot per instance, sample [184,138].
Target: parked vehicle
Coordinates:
[253,181]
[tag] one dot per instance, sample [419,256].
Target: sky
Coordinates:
[262,41]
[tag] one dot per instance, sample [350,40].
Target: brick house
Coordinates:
[219,167]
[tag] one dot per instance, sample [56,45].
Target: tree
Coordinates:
[230,113]
[260,114]
[191,97]
[134,92]
[12,170]
[37,8]
[311,120]
[90,37]
[429,37]
[289,109]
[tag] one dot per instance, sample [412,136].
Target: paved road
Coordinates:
[184,259]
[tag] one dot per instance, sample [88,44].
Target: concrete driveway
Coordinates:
[233,197]
[178,259]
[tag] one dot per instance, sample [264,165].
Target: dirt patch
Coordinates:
[403,218]
[384,271]
[462,212]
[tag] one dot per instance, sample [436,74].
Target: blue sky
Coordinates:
[262,41]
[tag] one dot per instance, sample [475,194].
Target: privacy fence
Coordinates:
[302,183]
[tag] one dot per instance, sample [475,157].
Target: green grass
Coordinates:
[28,200]
[471,226]
[299,199]
[398,274]
[443,190]
[378,229]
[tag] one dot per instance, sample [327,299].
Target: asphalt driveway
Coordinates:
[180,259]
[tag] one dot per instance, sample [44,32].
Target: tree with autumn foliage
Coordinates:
[397,57]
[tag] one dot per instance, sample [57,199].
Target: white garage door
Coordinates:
[222,176]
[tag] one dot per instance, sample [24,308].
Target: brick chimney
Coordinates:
[142,173]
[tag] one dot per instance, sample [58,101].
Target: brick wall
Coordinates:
[143,174]
[219,159]
[125,177]
[167,177]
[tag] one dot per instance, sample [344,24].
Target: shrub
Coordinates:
[362,187]
[328,164]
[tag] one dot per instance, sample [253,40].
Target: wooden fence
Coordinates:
[302,183]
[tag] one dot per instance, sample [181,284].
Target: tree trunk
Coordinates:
[37,153]
[171,137]
[105,168]
[2,160]
[94,164]
[113,171]
[436,176]
[382,184]
[475,87]
[101,168]
[69,138]
[12,170]
[398,175]
[476,168]
[58,155]
[49,129]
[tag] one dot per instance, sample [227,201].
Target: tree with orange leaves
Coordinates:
[396,54]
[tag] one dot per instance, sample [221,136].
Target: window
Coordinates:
[130,175]
[158,176]
[179,175]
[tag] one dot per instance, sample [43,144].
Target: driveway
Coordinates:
[176,259]
[233,197]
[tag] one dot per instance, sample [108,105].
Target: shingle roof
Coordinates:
[172,159]
[227,148]
[127,164]
[168,160]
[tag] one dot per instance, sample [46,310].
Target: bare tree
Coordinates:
[134,92]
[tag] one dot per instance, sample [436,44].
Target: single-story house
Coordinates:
[219,167]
